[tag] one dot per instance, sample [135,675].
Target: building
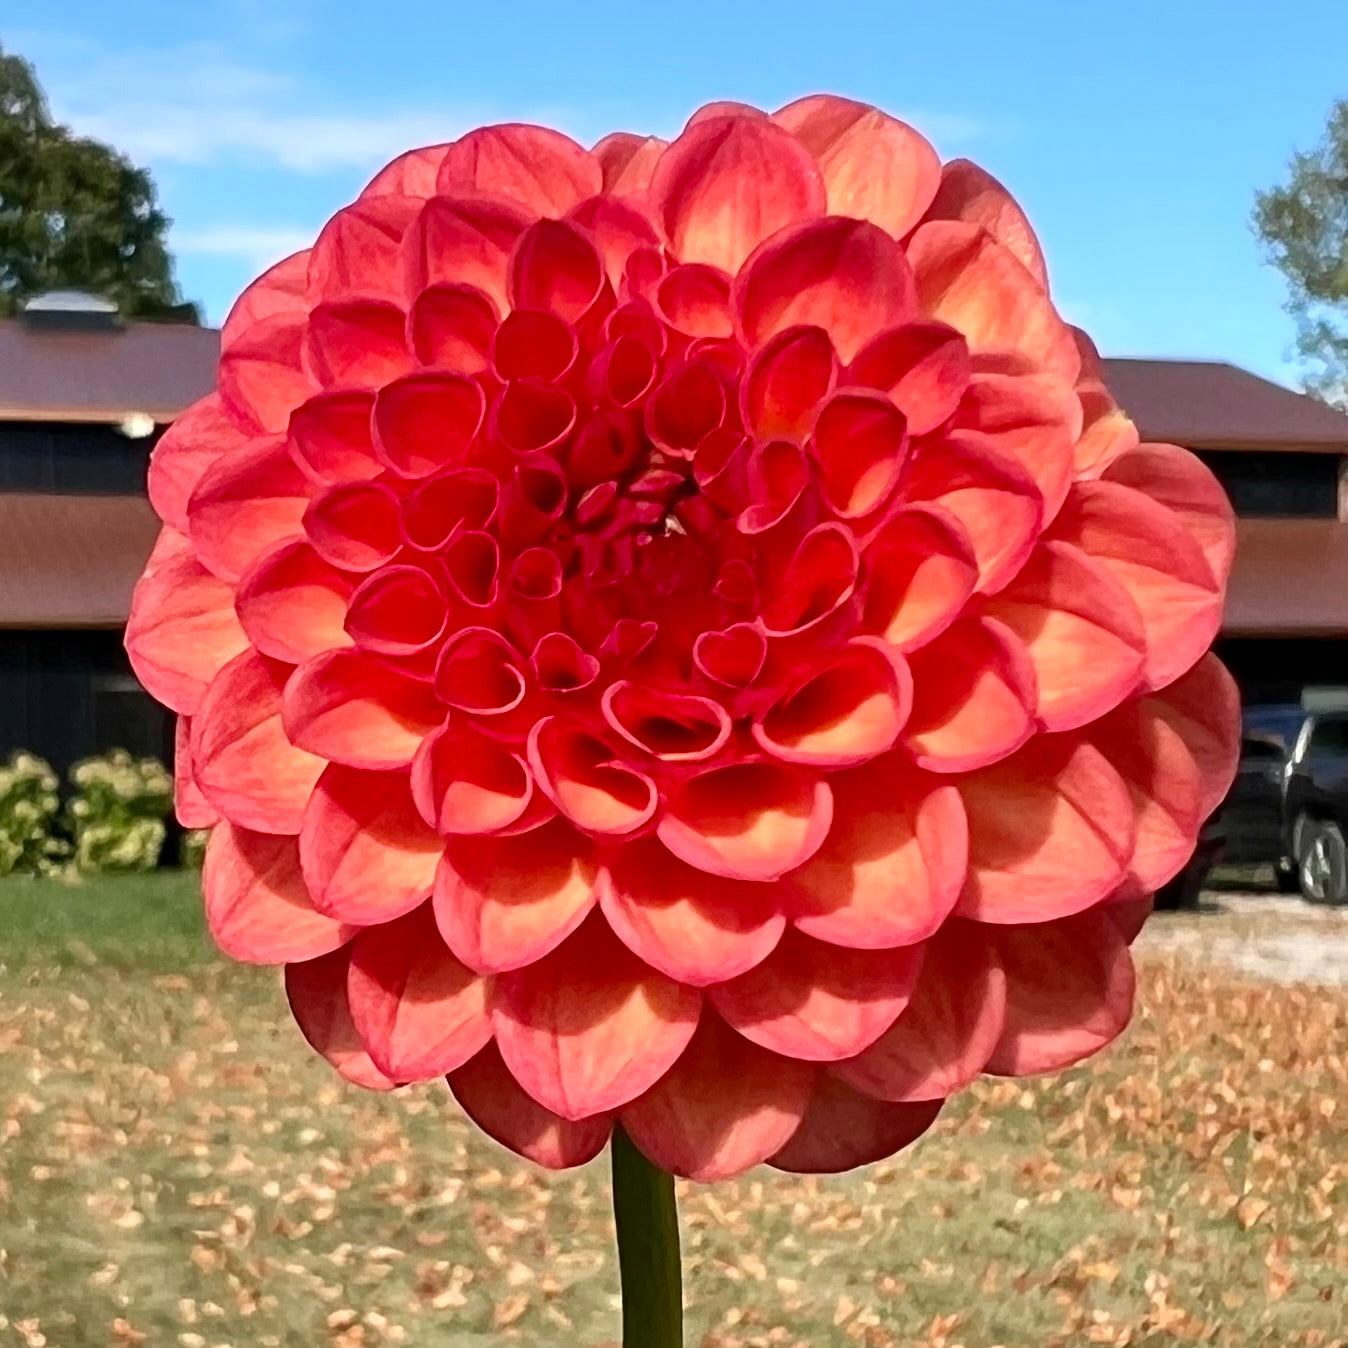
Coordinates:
[84,397]
[1283,459]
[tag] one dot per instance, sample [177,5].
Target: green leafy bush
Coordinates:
[29,804]
[117,811]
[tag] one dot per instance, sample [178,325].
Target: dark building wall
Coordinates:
[1274,670]
[67,694]
[68,457]
[1285,485]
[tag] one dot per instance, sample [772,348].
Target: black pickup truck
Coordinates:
[1315,809]
[1288,807]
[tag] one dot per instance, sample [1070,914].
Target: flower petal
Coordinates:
[190,807]
[555,269]
[451,326]
[617,228]
[991,494]
[244,763]
[589,1027]
[973,195]
[673,727]
[1069,991]
[534,165]
[461,240]
[973,697]
[1050,833]
[359,251]
[1106,432]
[357,343]
[845,276]
[844,712]
[698,929]
[588,784]
[355,526]
[817,1002]
[969,280]
[924,367]
[417,1010]
[860,441]
[182,630]
[843,1129]
[493,1099]
[426,422]
[329,437]
[262,375]
[875,167]
[397,611]
[628,161]
[733,657]
[245,503]
[292,604]
[1082,630]
[279,290]
[1186,485]
[316,990]
[688,404]
[725,1106]
[411,174]
[786,381]
[200,436]
[367,855]
[894,861]
[727,184]
[921,573]
[464,782]
[1034,419]
[256,905]
[749,821]
[503,903]
[1157,561]
[1152,755]
[944,1038]
[1204,706]
[816,584]
[357,710]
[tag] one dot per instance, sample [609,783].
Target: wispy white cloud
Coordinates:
[257,245]
[195,105]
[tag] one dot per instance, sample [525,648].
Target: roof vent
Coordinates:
[71,311]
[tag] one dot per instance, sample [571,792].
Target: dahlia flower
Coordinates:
[680,636]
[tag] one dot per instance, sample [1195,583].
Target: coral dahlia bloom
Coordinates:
[680,635]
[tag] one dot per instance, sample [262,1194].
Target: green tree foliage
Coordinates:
[1304,226]
[74,213]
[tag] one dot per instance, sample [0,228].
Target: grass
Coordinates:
[177,1169]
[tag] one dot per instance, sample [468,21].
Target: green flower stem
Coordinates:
[647,1220]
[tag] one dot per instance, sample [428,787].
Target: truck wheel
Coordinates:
[1323,862]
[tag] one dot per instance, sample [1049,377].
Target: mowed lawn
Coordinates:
[176,1168]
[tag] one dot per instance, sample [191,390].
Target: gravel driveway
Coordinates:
[1266,935]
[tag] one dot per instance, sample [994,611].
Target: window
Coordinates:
[1329,735]
[1284,485]
[60,458]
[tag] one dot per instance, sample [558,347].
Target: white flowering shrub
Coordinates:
[116,812]
[193,851]
[29,806]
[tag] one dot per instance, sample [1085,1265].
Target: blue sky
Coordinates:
[1134,133]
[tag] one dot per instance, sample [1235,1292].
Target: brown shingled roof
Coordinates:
[156,368]
[1210,405]
[71,561]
